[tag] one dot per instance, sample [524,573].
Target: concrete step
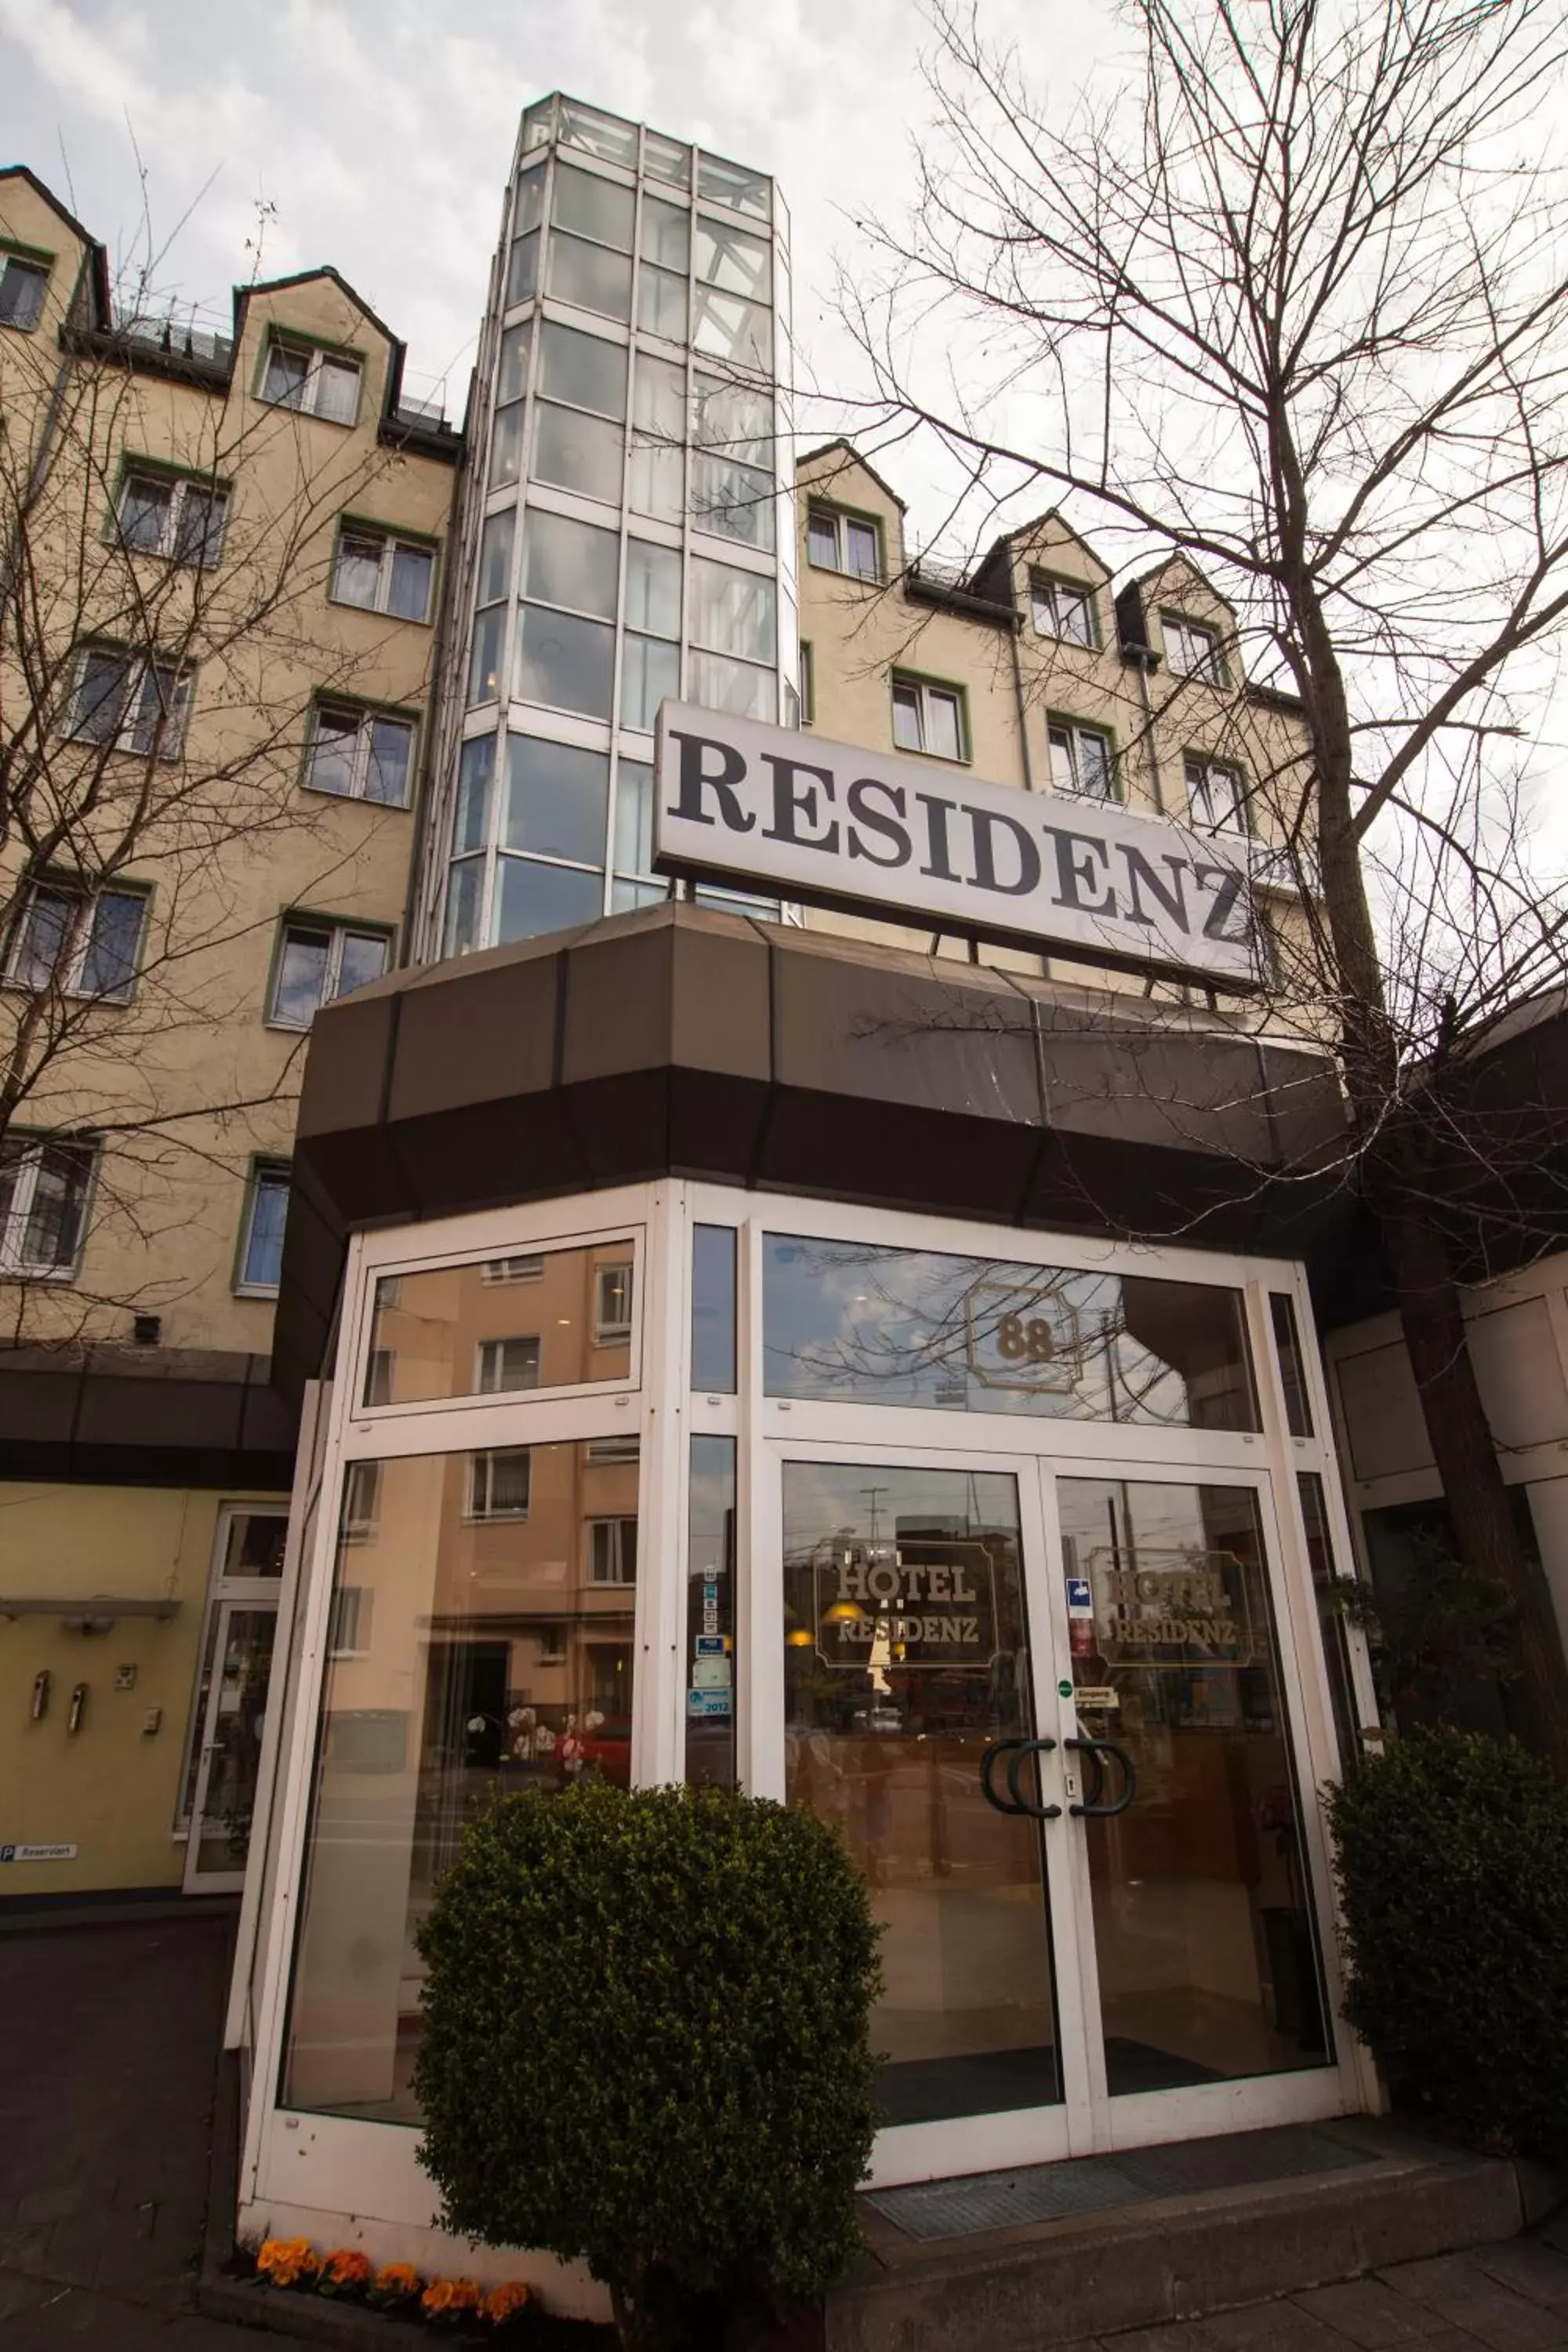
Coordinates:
[1055,2254]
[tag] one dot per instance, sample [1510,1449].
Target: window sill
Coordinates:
[65,1273]
[290,408]
[941,759]
[76,995]
[1073,645]
[834,572]
[496,1519]
[353,800]
[293,1028]
[376,613]
[264,1291]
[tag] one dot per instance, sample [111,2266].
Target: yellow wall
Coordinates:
[111,1789]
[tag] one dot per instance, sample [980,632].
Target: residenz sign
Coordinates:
[788,815]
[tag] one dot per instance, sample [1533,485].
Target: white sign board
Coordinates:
[37,1852]
[790,815]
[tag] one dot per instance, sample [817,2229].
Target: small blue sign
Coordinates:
[710,1646]
[706,1702]
[1080,1597]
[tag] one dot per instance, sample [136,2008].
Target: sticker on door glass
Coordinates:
[923,1601]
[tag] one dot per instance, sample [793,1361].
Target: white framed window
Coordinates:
[348,1631]
[359,754]
[835,541]
[613,1551]
[83,942]
[1191,649]
[168,515]
[512,1269]
[1062,609]
[362,1501]
[23,285]
[260,1265]
[44,1190]
[317,961]
[1216,796]
[125,703]
[319,383]
[611,1303]
[505,1364]
[501,1482]
[929,717]
[1081,760]
[380,572]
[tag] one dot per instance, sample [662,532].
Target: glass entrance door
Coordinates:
[1047,1712]
[231,1754]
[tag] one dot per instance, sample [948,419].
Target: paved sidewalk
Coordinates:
[110,2036]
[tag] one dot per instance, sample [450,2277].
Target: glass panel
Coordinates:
[656,474]
[601,209]
[302,976]
[733,501]
[728,184]
[734,686]
[945,736]
[713,1308]
[978,1335]
[486,1654]
[1207,1957]
[1292,1370]
[564,662]
[557,799]
[651,599]
[584,370]
[634,816]
[53,1231]
[578,453]
[1331,1592]
[523,277]
[465,896]
[736,420]
[733,611]
[263,1243]
[906,1654]
[356,577]
[650,674]
[485,655]
[197,1732]
[535,899]
[413,569]
[661,303]
[430,1330]
[511,375]
[363,959]
[337,390]
[710,1614]
[529,209]
[598,134]
[569,563]
[391,756]
[333,743]
[257,1540]
[822,540]
[506,446]
[731,329]
[539,124]
[45,935]
[495,557]
[626,898]
[109,966]
[590,277]
[666,235]
[100,697]
[234,1726]
[666,160]
[144,514]
[287,371]
[729,259]
[863,554]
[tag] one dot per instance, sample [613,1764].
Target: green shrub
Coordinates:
[1452,1852]
[646,2042]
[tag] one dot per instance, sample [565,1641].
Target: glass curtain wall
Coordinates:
[634,543]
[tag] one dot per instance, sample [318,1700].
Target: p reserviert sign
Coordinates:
[797,818]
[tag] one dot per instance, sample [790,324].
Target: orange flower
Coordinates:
[344,2267]
[504,2303]
[395,2283]
[449,2298]
[285,2261]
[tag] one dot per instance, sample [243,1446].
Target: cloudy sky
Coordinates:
[382,130]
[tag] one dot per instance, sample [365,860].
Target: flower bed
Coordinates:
[511,2312]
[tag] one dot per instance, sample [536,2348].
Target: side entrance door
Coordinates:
[229,1752]
[1048,1712]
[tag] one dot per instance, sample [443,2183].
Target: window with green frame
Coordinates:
[930,716]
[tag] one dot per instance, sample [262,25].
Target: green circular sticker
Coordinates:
[1064,1690]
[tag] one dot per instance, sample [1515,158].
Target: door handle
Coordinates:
[1016,1802]
[1096,1750]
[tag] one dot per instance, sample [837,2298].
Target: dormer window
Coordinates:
[1192,650]
[23,285]
[1062,609]
[835,541]
[1216,796]
[319,383]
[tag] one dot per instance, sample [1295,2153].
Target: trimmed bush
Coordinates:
[646,2042]
[1452,1852]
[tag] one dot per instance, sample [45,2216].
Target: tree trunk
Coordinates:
[1485,1532]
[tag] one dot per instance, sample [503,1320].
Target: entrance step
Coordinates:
[1014,2261]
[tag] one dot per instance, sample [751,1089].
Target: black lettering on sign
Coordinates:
[697,778]
[887,827]
[985,825]
[938,811]
[1228,886]
[793,799]
[1141,876]
[1077,854]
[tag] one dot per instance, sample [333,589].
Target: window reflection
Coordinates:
[492,1601]
[553,1321]
[976,1334]
[710,1614]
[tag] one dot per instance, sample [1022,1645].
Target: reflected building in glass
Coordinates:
[628,533]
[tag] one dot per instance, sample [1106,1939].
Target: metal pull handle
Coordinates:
[1016,1802]
[1093,1810]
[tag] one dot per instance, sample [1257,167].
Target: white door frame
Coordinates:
[198,1881]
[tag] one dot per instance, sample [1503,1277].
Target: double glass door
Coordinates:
[1050,1712]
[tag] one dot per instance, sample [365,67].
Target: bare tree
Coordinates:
[165,546]
[1292,306]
